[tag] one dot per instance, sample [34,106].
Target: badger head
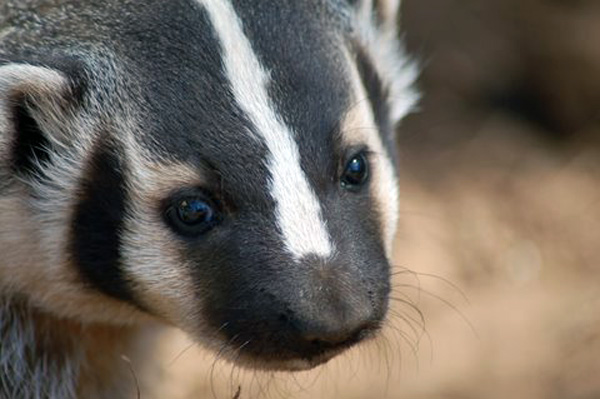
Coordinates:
[225,166]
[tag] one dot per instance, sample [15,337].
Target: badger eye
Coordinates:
[192,215]
[355,173]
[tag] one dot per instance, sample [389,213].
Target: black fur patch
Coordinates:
[378,93]
[30,148]
[376,90]
[98,223]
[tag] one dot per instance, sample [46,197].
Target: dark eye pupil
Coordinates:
[194,211]
[356,166]
[356,172]
[192,214]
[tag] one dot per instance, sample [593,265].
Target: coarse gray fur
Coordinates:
[25,371]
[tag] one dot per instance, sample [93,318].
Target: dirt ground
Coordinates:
[497,274]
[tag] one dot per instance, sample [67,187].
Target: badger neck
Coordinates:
[42,356]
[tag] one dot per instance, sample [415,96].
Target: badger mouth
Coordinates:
[281,351]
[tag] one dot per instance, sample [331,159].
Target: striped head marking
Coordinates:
[229,170]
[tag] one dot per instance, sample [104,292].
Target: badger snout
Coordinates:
[303,316]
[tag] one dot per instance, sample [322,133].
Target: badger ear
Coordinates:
[34,101]
[377,35]
[384,12]
[387,12]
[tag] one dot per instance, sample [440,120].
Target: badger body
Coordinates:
[223,166]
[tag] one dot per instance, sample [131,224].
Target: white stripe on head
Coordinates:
[297,207]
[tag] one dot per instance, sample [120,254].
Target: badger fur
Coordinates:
[223,166]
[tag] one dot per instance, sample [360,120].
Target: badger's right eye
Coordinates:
[192,215]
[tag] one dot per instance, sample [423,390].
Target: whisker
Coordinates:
[444,280]
[181,353]
[416,277]
[389,362]
[445,302]
[409,322]
[406,338]
[218,356]
[406,297]
[235,367]
[135,379]
[412,307]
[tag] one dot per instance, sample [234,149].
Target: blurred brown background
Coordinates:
[498,243]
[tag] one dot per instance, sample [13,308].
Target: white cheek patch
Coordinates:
[359,127]
[161,276]
[298,210]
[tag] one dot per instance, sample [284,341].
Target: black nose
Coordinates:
[325,316]
[312,314]
[331,321]
[307,334]
[275,336]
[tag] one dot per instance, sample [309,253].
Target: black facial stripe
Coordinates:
[97,224]
[378,94]
[376,90]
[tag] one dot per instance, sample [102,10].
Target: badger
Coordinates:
[226,167]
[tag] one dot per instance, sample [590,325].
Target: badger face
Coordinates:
[224,166]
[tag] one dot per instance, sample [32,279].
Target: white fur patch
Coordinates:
[388,56]
[161,275]
[359,127]
[29,78]
[298,211]
[399,73]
